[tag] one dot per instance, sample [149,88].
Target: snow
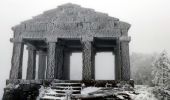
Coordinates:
[161,69]
[53,98]
[88,90]
[145,93]
[47,93]
[141,92]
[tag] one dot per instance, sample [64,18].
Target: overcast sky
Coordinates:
[150,20]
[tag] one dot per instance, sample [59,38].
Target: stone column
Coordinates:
[125,69]
[31,64]
[66,69]
[117,61]
[16,61]
[42,64]
[59,62]
[51,60]
[88,61]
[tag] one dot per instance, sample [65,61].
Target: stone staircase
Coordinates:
[62,90]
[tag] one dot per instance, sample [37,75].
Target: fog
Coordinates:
[150,20]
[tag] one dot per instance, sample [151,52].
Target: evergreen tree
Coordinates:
[161,70]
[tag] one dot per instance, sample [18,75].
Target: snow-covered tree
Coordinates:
[161,70]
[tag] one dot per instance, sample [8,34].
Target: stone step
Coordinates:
[52,98]
[61,89]
[64,87]
[64,91]
[66,84]
[56,94]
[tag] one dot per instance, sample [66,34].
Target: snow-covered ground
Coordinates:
[141,92]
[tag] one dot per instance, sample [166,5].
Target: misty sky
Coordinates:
[150,20]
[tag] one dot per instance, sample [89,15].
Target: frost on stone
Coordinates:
[138,93]
[48,93]
[12,86]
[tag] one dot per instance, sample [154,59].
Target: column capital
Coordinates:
[52,40]
[125,39]
[87,39]
[16,40]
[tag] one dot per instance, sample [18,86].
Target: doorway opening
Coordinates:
[105,66]
[76,66]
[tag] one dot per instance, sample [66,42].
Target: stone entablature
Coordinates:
[70,21]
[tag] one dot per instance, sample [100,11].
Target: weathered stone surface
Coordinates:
[51,61]
[42,64]
[31,64]
[88,61]
[16,62]
[56,34]
[125,61]
[59,62]
[117,61]
[66,69]
[21,92]
[70,20]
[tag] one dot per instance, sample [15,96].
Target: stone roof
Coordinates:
[71,17]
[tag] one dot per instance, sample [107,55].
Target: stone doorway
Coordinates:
[76,66]
[105,66]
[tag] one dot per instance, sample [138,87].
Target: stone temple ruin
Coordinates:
[55,34]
